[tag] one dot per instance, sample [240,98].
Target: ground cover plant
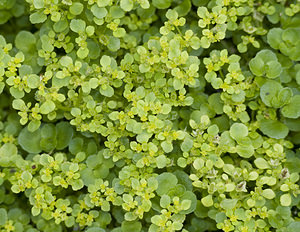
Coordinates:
[149,115]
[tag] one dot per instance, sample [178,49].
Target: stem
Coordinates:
[177,28]
[221,73]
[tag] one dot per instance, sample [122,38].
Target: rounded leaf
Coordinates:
[30,141]
[166,181]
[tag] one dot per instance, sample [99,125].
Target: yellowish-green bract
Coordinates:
[149,115]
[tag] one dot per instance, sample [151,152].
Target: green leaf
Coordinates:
[18,104]
[95,229]
[66,61]
[34,125]
[273,129]
[292,110]
[76,145]
[77,25]
[167,146]
[76,8]
[61,25]
[269,90]
[33,81]
[82,53]
[105,61]
[131,226]
[25,41]
[30,141]
[238,131]
[47,107]
[165,201]
[7,152]
[166,181]
[273,69]
[228,204]
[99,12]
[261,163]
[187,144]
[274,37]
[190,198]
[207,201]
[245,151]
[3,216]
[174,51]
[126,5]
[268,193]
[161,4]
[183,8]
[256,66]
[265,62]
[293,226]
[113,44]
[108,91]
[64,134]
[285,199]
[161,161]
[77,184]
[116,12]
[37,17]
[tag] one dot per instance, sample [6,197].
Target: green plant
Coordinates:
[149,115]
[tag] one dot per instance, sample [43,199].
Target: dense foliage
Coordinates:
[159,115]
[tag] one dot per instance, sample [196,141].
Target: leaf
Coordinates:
[108,91]
[95,229]
[47,107]
[187,144]
[3,216]
[167,146]
[261,163]
[245,151]
[165,201]
[64,133]
[228,204]
[269,91]
[113,44]
[207,201]
[174,51]
[38,4]
[66,61]
[292,110]
[273,69]
[30,141]
[76,8]
[116,12]
[126,5]
[268,193]
[33,81]
[274,37]
[161,4]
[183,8]
[37,17]
[77,25]
[293,226]
[99,12]
[18,104]
[273,129]
[256,66]
[76,145]
[192,199]
[166,181]
[285,199]
[25,41]
[131,226]
[238,130]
